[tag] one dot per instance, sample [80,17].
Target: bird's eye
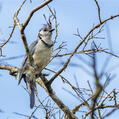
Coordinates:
[45,29]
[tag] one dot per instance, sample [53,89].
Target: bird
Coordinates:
[41,52]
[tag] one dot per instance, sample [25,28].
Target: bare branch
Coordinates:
[101,107]
[83,52]
[81,42]
[14,25]
[97,83]
[23,39]
[76,108]
[56,24]
[13,70]
[41,103]
[98,11]
[109,113]
[9,36]
[33,11]
[51,93]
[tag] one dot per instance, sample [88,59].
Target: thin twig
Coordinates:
[77,47]
[33,11]
[9,36]
[98,10]
[101,107]
[14,25]
[76,108]
[61,105]
[13,70]
[56,24]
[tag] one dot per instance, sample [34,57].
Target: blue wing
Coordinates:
[23,66]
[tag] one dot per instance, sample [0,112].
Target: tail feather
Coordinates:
[31,89]
[32,95]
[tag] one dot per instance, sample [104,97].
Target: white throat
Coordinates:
[47,39]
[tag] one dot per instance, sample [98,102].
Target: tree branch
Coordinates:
[14,25]
[33,11]
[101,107]
[23,39]
[81,42]
[9,36]
[52,94]
[11,69]
[98,10]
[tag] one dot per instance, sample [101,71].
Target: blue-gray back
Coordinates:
[22,69]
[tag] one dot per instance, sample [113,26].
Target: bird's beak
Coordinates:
[51,30]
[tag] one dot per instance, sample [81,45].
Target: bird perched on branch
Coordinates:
[41,51]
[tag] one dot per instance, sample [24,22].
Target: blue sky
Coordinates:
[71,15]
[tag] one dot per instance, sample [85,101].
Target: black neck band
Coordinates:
[46,44]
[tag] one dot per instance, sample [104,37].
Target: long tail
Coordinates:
[31,89]
[32,95]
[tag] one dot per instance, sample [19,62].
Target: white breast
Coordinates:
[42,55]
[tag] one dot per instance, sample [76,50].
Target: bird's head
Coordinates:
[46,32]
